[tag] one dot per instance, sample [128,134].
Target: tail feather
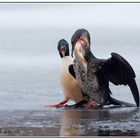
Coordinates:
[134,89]
[121,103]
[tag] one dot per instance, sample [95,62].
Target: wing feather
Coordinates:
[71,70]
[118,71]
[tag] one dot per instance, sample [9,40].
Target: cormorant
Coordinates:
[93,74]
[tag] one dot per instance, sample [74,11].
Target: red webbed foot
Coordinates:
[57,105]
[92,104]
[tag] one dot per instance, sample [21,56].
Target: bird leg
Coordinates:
[57,105]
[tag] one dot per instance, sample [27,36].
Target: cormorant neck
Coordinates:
[88,55]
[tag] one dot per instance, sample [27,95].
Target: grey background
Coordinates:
[29,33]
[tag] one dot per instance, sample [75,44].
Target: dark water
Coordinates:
[112,121]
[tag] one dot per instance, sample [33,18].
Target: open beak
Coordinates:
[78,52]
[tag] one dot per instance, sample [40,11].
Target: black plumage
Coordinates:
[95,80]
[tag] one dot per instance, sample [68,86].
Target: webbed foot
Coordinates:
[57,105]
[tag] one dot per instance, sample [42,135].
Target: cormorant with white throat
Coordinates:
[93,74]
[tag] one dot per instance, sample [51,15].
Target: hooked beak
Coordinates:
[78,52]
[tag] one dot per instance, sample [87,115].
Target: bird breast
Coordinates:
[88,81]
[65,77]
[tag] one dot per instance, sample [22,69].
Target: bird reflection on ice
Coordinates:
[97,122]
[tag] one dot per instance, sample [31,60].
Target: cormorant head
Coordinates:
[81,38]
[63,48]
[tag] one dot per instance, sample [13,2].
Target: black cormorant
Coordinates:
[93,74]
